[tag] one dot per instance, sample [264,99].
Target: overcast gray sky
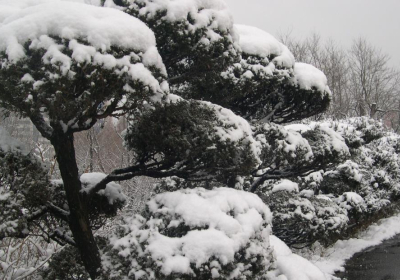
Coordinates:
[340,20]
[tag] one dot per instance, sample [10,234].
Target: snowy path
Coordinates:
[333,258]
[375,263]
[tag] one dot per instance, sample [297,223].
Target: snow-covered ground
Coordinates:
[333,258]
[290,266]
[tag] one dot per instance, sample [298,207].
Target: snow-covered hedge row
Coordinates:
[193,234]
[351,172]
[326,202]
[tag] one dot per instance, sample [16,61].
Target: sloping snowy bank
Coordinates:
[333,258]
[290,266]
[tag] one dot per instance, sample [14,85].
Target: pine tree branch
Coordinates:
[132,172]
[58,212]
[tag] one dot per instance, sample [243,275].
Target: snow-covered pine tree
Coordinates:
[241,68]
[66,65]
[258,80]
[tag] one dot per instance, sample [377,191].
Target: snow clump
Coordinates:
[113,191]
[257,42]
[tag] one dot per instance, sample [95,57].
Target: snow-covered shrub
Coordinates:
[357,131]
[368,181]
[23,186]
[346,177]
[311,183]
[301,221]
[327,145]
[352,202]
[267,74]
[367,129]
[282,147]
[294,151]
[379,163]
[193,233]
[196,139]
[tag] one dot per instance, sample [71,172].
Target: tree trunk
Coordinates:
[373,110]
[79,219]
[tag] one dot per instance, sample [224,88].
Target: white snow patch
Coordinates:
[257,42]
[291,266]
[286,185]
[113,191]
[298,127]
[10,144]
[307,77]
[204,13]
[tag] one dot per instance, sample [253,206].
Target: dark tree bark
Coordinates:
[79,219]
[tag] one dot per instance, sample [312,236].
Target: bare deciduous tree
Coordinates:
[374,85]
[361,80]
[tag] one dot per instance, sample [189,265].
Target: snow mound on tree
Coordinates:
[100,28]
[308,77]
[203,13]
[8,7]
[221,233]
[286,185]
[203,234]
[255,41]
[10,144]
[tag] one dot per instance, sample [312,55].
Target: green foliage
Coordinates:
[300,221]
[251,92]
[194,53]
[78,95]
[189,138]
[23,192]
[65,265]
[205,62]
